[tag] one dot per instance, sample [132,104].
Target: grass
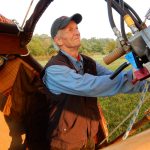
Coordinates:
[117,107]
[98,58]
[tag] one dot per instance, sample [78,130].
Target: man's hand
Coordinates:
[147,66]
[141,73]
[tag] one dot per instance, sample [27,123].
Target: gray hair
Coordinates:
[56,47]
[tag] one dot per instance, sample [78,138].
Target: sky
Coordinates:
[95,21]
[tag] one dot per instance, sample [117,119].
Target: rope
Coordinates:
[27,13]
[17,24]
[142,99]
[125,119]
[118,126]
[23,55]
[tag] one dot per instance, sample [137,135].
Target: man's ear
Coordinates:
[58,40]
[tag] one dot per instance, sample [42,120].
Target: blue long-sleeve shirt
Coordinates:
[62,79]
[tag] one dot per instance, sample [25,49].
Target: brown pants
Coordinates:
[89,146]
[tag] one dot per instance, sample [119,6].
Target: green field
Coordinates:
[116,108]
[97,57]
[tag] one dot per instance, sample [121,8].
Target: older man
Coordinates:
[74,81]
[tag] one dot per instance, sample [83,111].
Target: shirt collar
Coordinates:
[72,59]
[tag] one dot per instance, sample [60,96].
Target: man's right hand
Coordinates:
[147,65]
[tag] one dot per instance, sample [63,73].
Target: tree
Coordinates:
[110,46]
[43,45]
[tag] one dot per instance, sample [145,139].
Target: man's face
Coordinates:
[69,37]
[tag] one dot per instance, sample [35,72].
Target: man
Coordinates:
[74,81]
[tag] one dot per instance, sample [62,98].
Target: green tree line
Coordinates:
[41,45]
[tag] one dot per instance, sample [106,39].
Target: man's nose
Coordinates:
[77,32]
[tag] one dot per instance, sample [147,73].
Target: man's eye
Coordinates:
[71,29]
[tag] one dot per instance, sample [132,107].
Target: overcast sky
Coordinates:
[95,21]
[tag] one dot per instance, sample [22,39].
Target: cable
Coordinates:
[122,22]
[110,16]
[27,14]
[142,100]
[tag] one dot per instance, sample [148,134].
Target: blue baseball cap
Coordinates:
[62,22]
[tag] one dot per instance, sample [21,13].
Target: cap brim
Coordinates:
[76,18]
